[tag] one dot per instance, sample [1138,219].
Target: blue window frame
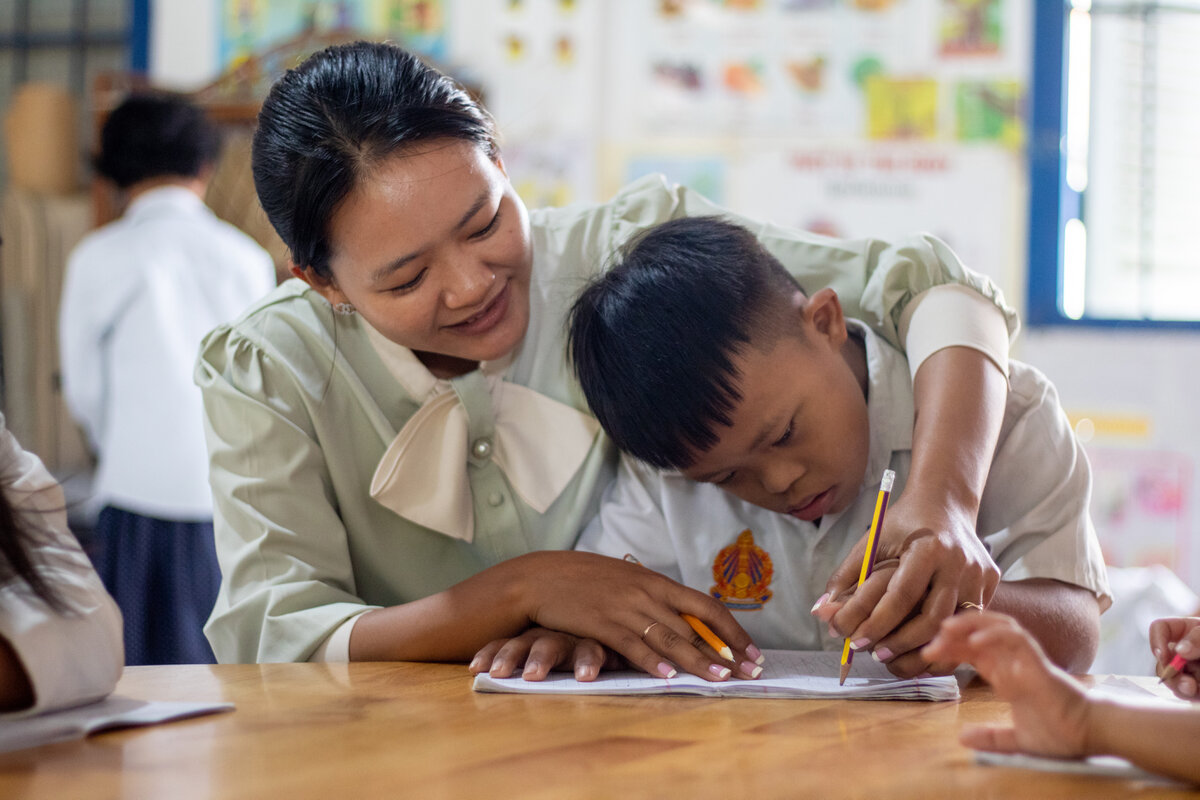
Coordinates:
[1060,283]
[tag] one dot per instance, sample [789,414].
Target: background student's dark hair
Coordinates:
[652,339]
[15,563]
[328,122]
[156,135]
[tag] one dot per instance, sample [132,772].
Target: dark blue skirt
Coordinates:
[164,576]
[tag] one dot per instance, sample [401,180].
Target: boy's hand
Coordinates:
[538,651]
[1178,635]
[942,564]
[1050,710]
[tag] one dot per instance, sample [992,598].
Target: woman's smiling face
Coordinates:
[432,248]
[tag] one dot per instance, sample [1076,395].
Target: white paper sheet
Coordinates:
[786,673]
[112,712]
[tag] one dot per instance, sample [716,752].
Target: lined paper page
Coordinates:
[786,673]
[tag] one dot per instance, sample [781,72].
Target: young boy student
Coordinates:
[757,423]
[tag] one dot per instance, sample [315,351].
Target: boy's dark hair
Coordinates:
[328,122]
[653,339]
[156,135]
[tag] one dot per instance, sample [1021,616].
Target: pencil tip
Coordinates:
[845,673]
[726,653]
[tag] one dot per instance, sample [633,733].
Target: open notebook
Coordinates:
[110,713]
[786,673]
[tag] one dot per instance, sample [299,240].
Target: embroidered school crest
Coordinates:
[743,573]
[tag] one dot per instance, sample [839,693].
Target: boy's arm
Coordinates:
[1064,619]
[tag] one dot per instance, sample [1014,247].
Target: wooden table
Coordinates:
[417,730]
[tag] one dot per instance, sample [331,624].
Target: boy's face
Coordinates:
[799,439]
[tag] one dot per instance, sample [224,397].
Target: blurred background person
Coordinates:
[139,294]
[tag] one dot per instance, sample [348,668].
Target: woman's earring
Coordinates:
[343,308]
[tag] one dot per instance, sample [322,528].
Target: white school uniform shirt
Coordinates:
[70,658]
[770,568]
[140,294]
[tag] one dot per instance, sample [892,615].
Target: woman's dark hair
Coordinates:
[653,339]
[156,135]
[331,120]
[14,557]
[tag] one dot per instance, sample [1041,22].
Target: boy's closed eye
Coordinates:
[780,441]
[786,437]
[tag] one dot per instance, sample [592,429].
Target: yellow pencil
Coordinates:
[881,502]
[707,635]
[699,627]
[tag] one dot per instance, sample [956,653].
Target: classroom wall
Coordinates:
[849,117]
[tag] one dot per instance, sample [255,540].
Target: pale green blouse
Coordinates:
[300,408]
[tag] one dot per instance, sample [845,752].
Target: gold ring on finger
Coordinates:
[648,627]
[965,604]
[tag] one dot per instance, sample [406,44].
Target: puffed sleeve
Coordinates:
[877,281]
[74,655]
[287,579]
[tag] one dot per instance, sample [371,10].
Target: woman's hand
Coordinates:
[633,611]
[1050,710]
[942,564]
[537,651]
[1178,635]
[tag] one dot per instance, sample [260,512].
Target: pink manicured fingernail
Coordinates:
[833,632]
[859,644]
[754,653]
[666,670]
[1185,648]
[925,675]
[585,672]
[718,670]
[750,669]
[475,664]
[881,654]
[820,602]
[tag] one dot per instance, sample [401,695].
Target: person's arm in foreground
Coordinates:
[1178,635]
[1052,715]
[60,645]
[591,596]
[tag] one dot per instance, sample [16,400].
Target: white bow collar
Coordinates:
[538,443]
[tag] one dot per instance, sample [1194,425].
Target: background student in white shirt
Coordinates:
[60,632]
[140,293]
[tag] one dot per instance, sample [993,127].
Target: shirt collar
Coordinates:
[889,402]
[164,197]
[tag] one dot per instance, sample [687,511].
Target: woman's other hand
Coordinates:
[538,651]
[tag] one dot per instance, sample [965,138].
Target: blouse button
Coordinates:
[482,448]
[495,499]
